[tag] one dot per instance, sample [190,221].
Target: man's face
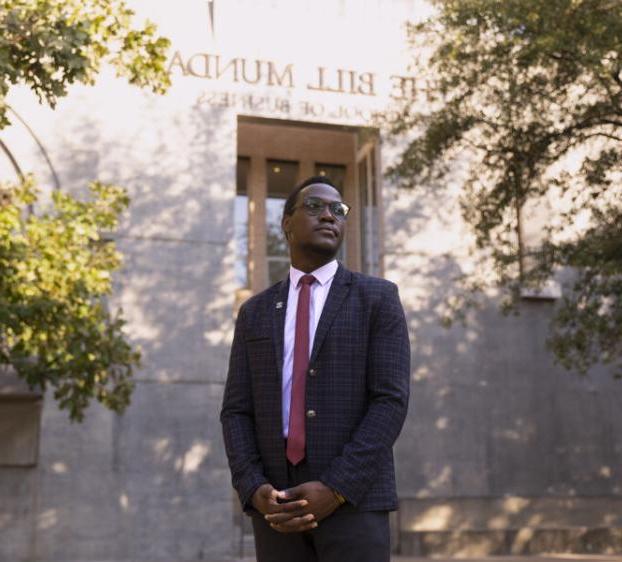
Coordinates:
[321,234]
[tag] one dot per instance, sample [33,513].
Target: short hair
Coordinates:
[290,202]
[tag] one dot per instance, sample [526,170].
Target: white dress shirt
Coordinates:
[319,291]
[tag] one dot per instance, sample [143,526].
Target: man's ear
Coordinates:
[285,226]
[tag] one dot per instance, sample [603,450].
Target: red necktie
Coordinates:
[296,434]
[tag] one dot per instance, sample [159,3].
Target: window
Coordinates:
[276,155]
[532,232]
[20,420]
[240,222]
[368,201]
[336,173]
[282,175]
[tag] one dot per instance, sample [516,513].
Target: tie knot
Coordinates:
[306,280]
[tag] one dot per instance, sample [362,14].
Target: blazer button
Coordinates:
[312,372]
[310,413]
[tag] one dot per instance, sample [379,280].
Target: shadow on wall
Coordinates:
[491,416]
[152,483]
[176,286]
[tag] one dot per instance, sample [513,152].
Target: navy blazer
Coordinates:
[357,384]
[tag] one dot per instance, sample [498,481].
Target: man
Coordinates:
[316,395]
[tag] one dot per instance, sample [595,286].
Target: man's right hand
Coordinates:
[266,501]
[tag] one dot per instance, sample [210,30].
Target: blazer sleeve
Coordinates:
[237,418]
[388,383]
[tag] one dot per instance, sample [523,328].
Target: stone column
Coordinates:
[257,192]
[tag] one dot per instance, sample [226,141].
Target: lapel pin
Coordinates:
[279,304]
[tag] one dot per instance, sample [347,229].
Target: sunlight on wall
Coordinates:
[421,374]
[47,519]
[436,482]
[515,504]
[216,337]
[498,522]
[434,519]
[124,502]
[137,322]
[193,458]
[59,468]
[535,520]
[222,333]
[522,539]
[162,449]
[570,166]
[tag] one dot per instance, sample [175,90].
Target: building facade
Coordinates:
[501,452]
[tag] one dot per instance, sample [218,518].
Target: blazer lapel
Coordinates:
[338,291]
[279,305]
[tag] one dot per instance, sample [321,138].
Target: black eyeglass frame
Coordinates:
[332,207]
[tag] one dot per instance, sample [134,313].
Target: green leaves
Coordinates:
[55,275]
[55,266]
[529,94]
[49,44]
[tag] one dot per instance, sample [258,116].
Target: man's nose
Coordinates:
[326,214]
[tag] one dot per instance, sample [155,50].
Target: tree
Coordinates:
[49,44]
[55,263]
[527,95]
[55,328]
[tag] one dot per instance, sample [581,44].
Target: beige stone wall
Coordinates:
[490,414]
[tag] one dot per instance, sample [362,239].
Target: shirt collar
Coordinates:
[322,274]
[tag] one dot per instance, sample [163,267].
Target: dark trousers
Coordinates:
[346,535]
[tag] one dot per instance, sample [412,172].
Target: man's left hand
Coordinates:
[321,502]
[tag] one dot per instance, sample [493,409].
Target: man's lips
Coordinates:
[328,229]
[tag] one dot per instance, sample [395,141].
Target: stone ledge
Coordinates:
[509,513]
[399,558]
[14,388]
[526,541]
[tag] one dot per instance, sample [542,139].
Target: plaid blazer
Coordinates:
[358,385]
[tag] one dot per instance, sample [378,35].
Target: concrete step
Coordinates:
[523,542]
[475,527]
[541,558]
[510,512]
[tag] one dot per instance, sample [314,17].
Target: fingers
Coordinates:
[292,507]
[285,515]
[268,501]
[285,511]
[276,495]
[295,492]
[261,498]
[296,524]
[265,490]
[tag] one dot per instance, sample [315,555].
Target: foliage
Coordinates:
[55,267]
[49,44]
[55,328]
[527,96]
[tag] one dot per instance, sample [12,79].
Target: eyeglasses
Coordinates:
[315,206]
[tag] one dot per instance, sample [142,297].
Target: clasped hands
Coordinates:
[302,507]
